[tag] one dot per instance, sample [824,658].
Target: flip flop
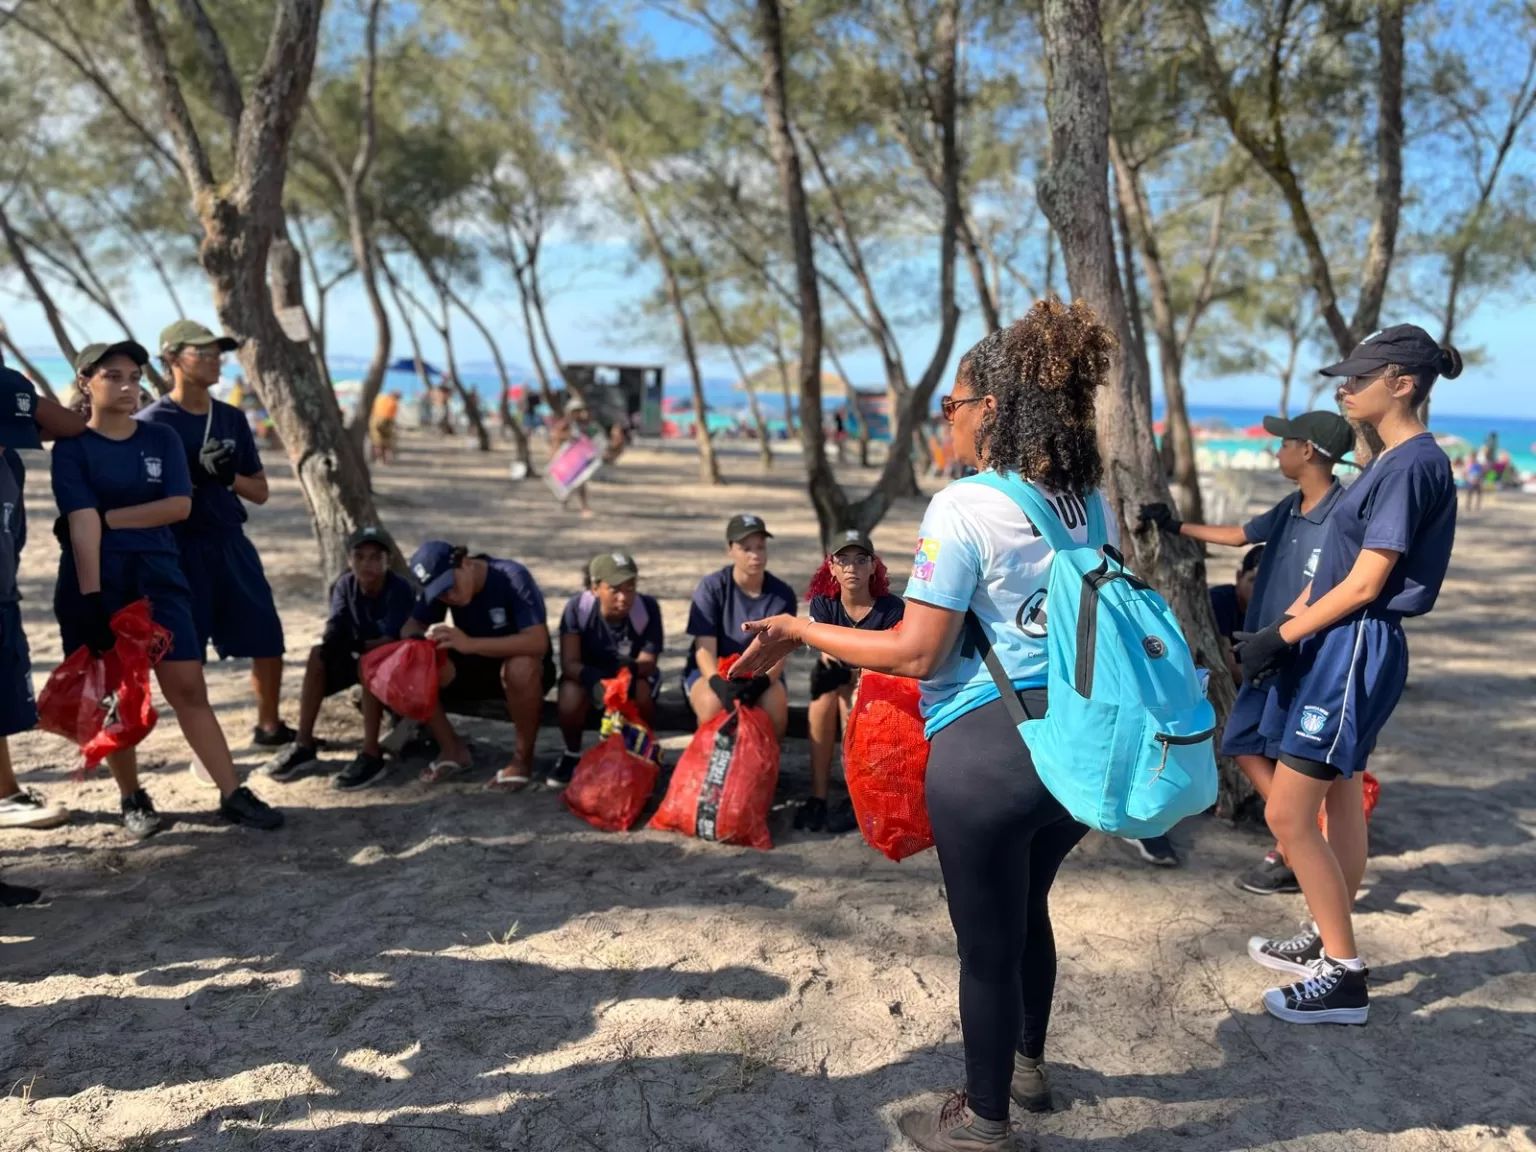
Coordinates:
[440,770]
[513,778]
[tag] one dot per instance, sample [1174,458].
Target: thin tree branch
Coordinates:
[190,153]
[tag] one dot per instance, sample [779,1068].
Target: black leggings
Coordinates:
[1001,837]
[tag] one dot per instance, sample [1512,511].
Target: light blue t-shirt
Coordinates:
[978,550]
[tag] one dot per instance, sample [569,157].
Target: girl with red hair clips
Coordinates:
[852,590]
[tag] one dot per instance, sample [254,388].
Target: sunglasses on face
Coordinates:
[852,560]
[949,405]
[1357,384]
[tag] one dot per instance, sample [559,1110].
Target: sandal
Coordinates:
[440,770]
[513,778]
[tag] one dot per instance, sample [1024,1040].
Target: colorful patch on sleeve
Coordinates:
[923,561]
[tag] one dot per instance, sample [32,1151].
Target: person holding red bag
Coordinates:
[119,488]
[369,606]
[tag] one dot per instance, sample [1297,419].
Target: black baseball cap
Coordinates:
[370,534]
[1328,432]
[743,526]
[849,538]
[1406,345]
[18,411]
[93,354]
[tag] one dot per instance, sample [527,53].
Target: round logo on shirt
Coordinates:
[152,467]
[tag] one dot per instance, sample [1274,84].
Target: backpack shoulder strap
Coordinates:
[1032,504]
[639,616]
[586,609]
[976,635]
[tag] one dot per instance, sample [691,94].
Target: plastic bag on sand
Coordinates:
[885,760]
[104,705]
[403,676]
[722,788]
[611,785]
[1370,792]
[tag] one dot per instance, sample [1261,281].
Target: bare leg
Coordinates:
[124,767]
[450,746]
[8,784]
[522,678]
[706,705]
[775,702]
[267,684]
[1260,771]
[574,701]
[311,696]
[645,702]
[182,683]
[373,721]
[1292,814]
[1347,833]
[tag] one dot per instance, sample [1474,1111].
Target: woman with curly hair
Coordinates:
[1023,404]
[851,589]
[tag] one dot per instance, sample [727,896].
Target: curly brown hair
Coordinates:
[1043,371]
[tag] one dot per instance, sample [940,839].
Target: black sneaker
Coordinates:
[1158,851]
[1296,955]
[1331,994]
[811,816]
[560,775]
[291,761]
[17,895]
[1271,878]
[139,816]
[276,738]
[363,771]
[242,806]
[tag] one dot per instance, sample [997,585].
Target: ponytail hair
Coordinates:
[1449,366]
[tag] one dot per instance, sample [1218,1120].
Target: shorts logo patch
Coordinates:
[924,559]
[1313,720]
[152,467]
[498,617]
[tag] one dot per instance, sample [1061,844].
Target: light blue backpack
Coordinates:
[1126,741]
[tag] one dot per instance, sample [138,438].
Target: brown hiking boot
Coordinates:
[1030,1089]
[953,1128]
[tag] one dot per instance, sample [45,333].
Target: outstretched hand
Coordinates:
[775,638]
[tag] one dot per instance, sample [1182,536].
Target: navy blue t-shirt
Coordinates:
[13,527]
[1293,544]
[886,613]
[720,608]
[509,603]
[1224,606]
[93,471]
[357,619]
[1404,502]
[214,507]
[605,647]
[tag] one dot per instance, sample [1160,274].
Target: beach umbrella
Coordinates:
[1257,432]
[408,364]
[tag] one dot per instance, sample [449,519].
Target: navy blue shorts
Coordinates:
[230,596]
[18,708]
[1241,736]
[126,577]
[1331,704]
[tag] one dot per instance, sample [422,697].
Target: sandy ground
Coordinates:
[445,969]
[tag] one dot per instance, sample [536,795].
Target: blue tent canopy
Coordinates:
[408,364]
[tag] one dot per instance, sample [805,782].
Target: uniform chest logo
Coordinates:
[9,509]
[421,573]
[152,467]
[1311,569]
[498,617]
[23,403]
[1313,720]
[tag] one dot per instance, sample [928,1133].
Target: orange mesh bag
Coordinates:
[1370,792]
[403,676]
[722,788]
[105,705]
[885,760]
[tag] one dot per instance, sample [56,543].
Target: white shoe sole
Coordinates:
[1274,1004]
[1274,963]
[35,820]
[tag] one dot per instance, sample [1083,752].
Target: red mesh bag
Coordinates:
[722,788]
[1370,792]
[611,785]
[105,705]
[403,676]
[885,760]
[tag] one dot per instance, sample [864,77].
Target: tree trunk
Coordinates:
[984,296]
[764,446]
[40,291]
[29,369]
[472,411]
[410,326]
[519,436]
[523,294]
[360,235]
[1075,196]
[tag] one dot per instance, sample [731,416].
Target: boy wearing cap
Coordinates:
[369,606]
[25,418]
[1293,533]
[231,598]
[723,601]
[609,626]
[498,647]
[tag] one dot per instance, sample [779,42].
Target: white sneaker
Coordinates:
[26,809]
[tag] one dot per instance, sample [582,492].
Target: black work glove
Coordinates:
[217,462]
[99,637]
[726,689]
[731,691]
[1262,654]
[1162,516]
